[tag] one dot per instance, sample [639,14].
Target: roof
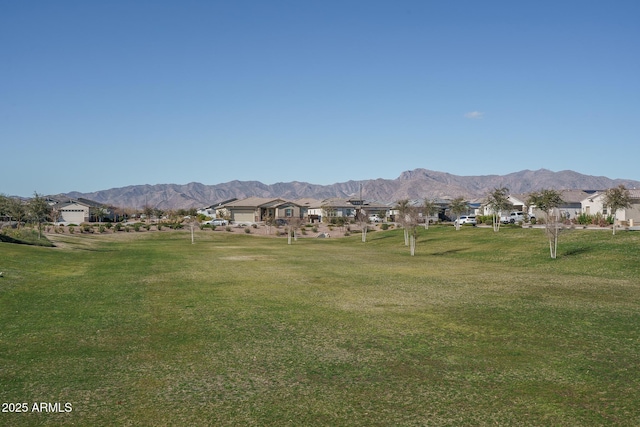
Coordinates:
[250,202]
[259,202]
[306,202]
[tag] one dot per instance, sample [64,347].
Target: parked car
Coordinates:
[466,219]
[219,221]
[375,218]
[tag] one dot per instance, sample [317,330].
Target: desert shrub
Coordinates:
[159,226]
[86,228]
[534,221]
[314,228]
[384,226]
[247,230]
[136,227]
[118,227]
[109,225]
[72,229]
[584,219]
[254,225]
[101,228]
[227,228]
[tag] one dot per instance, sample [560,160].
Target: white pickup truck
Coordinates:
[515,217]
[375,218]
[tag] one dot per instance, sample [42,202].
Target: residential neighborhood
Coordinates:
[253,210]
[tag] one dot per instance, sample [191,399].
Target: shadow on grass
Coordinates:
[42,242]
[576,251]
[449,252]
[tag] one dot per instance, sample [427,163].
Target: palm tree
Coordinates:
[430,208]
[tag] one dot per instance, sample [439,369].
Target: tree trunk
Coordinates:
[412,244]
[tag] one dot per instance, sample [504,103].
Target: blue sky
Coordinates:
[96,95]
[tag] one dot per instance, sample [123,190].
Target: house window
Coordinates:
[288,212]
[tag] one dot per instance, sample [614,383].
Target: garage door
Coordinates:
[244,216]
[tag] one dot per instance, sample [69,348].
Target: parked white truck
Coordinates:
[514,218]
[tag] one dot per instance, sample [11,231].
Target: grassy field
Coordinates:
[237,330]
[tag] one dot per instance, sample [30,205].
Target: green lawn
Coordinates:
[478,328]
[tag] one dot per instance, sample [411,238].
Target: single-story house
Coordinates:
[72,212]
[76,211]
[570,207]
[336,207]
[212,210]
[441,204]
[257,209]
[593,204]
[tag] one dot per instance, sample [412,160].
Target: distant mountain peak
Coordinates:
[418,183]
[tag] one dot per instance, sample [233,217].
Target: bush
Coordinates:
[136,226]
[109,225]
[254,225]
[584,219]
[227,228]
[72,229]
[247,230]
[118,227]
[384,226]
[101,228]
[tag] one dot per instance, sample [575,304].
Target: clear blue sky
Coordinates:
[103,94]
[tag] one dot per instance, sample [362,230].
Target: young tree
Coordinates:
[39,210]
[403,206]
[148,210]
[363,222]
[411,227]
[615,199]
[458,206]
[193,223]
[4,202]
[548,201]
[293,225]
[15,209]
[269,221]
[430,208]
[498,201]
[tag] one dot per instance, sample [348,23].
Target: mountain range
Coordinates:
[413,184]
